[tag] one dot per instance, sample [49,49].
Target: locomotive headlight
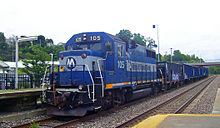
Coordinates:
[61,69]
[80,87]
[49,87]
[83,55]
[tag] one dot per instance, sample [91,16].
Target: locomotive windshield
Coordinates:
[91,46]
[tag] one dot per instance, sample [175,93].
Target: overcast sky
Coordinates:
[192,26]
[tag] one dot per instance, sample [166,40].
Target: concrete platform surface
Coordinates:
[8,94]
[181,121]
[19,90]
[216,107]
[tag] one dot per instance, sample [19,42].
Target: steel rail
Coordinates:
[124,124]
[184,106]
[28,125]
[74,122]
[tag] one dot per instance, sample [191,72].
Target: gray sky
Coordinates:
[192,26]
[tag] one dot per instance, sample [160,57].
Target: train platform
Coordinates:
[185,120]
[8,94]
[216,107]
[19,100]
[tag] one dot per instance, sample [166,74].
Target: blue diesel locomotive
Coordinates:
[98,70]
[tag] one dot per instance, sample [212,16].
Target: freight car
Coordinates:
[174,75]
[170,74]
[98,70]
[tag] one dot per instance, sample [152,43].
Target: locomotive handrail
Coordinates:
[43,83]
[101,76]
[93,84]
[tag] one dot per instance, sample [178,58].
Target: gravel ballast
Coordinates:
[113,119]
[204,105]
[206,102]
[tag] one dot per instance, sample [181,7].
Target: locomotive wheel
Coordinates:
[156,90]
[117,101]
[107,102]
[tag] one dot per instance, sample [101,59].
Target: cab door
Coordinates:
[120,66]
[109,56]
[109,64]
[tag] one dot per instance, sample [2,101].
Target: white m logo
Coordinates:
[71,62]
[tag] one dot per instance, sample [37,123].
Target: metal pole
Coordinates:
[171,55]
[158,43]
[52,77]
[52,63]
[16,59]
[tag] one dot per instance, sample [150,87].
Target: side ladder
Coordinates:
[101,76]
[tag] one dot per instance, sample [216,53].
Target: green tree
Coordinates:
[179,57]
[214,70]
[151,43]
[55,50]
[48,41]
[139,39]
[125,35]
[4,47]
[2,37]
[35,63]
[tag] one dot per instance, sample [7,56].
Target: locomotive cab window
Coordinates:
[108,47]
[89,45]
[70,47]
[120,50]
[151,54]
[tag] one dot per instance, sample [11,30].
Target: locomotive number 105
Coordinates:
[121,64]
[91,38]
[94,38]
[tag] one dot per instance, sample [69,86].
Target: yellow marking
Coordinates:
[154,121]
[160,80]
[168,82]
[109,86]
[148,80]
[139,82]
[151,122]
[84,38]
[126,83]
[84,34]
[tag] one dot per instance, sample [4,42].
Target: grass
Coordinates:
[35,125]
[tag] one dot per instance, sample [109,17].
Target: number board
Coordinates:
[88,38]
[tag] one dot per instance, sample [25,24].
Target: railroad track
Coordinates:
[53,122]
[176,104]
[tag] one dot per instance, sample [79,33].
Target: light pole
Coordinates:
[171,55]
[154,26]
[52,62]
[23,39]
[158,43]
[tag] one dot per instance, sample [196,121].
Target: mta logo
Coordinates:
[71,63]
